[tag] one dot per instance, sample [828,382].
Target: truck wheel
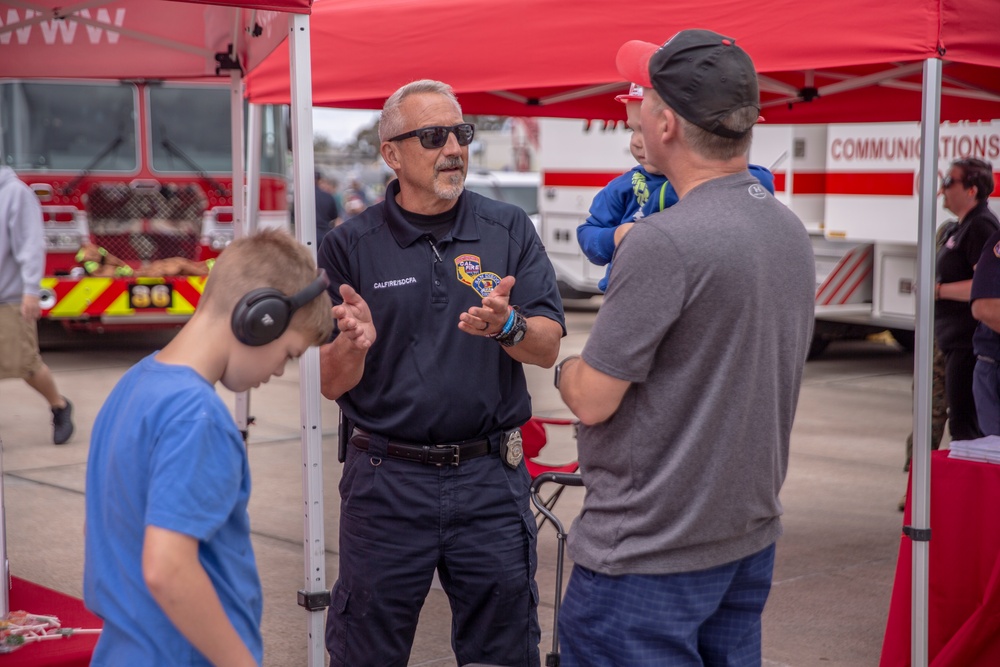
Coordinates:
[905,338]
[817,346]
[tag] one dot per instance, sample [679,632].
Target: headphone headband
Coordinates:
[264,314]
[310,291]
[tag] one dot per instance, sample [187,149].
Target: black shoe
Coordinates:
[62,423]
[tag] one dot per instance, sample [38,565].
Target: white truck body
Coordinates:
[854,186]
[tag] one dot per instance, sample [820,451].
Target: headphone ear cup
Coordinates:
[261,316]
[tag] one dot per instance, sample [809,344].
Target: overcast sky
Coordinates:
[340,125]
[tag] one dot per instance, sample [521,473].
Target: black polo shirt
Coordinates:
[957,255]
[425,381]
[986,285]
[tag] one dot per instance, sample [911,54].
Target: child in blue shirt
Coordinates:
[632,196]
[169,563]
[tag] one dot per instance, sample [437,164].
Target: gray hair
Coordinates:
[390,122]
[712,146]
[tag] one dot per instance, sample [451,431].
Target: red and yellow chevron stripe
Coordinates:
[92,298]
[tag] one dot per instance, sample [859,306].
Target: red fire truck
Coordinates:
[142,169]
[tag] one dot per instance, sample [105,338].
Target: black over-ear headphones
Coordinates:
[262,315]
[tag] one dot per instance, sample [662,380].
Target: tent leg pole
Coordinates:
[921,461]
[309,396]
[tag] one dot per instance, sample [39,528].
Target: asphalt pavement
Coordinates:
[834,565]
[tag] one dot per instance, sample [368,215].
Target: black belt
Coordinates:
[438,455]
[989,360]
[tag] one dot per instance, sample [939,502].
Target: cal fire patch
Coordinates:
[468,267]
[470,272]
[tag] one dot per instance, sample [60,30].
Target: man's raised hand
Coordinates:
[354,319]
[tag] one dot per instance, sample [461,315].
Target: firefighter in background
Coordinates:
[966,188]
[639,192]
[22,263]
[939,398]
[985,298]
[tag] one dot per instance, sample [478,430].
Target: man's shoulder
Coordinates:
[991,250]
[369,221]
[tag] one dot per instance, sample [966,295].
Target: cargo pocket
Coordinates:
[531,533]
[337,626]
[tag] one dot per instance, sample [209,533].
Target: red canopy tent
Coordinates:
[819,62]
[195,39]
[544,58]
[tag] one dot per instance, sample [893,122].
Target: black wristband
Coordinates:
[515,334]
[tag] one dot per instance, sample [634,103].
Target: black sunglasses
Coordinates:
[948,181]
[436,136]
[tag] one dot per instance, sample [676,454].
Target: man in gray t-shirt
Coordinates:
[688,384]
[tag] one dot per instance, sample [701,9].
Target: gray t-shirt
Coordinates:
[709,314]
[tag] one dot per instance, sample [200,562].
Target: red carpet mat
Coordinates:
[66,652]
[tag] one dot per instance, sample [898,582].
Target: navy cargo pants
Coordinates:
[399,522]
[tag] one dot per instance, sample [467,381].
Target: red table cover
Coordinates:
[71,651]
[964,559]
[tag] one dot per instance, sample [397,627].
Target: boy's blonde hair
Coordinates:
[269,258]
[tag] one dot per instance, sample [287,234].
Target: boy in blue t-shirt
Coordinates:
[632,196]
[169,563]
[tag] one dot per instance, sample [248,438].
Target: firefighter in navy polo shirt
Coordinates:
[446,295]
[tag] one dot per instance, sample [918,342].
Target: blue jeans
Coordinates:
[399,522]
[986,389]
[710,617]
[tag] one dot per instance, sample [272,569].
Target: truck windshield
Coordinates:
[68,126]
[191,122]
[522,196]
[190,131]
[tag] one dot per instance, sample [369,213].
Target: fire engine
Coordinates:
[854,186]
[143,171]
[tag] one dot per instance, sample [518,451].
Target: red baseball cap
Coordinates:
[634,94]
[701,74]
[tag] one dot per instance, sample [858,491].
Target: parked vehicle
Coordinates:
[140,169]
[853,185]
[514,187]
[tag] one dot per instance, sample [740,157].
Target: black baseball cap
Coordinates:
[701,74]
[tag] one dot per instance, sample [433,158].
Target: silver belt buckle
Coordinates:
[512,448]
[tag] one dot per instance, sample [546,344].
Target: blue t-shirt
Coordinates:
[166,452]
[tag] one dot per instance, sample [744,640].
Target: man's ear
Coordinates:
[390,154]
[670,124]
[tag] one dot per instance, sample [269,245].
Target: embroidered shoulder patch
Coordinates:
[485,283]
[468,267]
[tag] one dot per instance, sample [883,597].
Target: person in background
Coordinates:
[688,384]
[327,213]
[169,566]
[621,201]
[965,188]
[355,199]
[462,296]
[985,299]
[632,196]
[939,398]
[22,264]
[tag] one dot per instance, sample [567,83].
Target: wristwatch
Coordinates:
[516,332]
[558,372]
